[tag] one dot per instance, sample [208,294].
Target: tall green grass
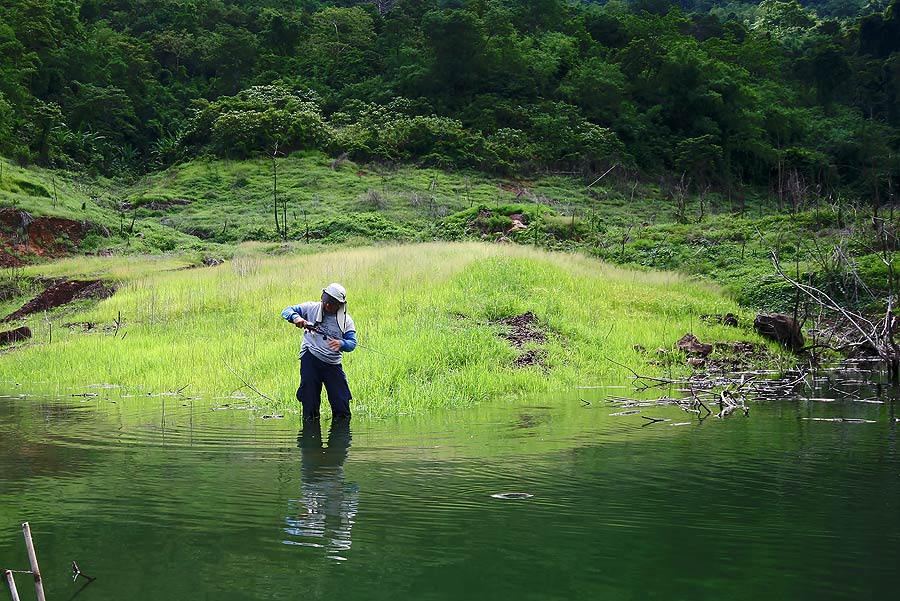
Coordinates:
[426,317]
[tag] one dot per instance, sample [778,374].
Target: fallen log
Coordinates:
[16,335]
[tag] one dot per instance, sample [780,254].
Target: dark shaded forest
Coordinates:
[797,99]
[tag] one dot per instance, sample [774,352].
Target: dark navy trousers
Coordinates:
[314,373]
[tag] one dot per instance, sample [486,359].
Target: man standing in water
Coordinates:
[330,332]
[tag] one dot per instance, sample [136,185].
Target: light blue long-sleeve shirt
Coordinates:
[317,342]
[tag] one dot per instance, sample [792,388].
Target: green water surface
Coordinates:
[172,498]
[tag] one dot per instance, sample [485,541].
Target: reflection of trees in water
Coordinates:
[324,514]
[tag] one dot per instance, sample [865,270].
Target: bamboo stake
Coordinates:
[12,585]
[32,557]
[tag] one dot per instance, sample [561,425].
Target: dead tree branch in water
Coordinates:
[731,395]
[650,381]
[689,404]
[653,420]
[878,336]
[700,394]
[246,383]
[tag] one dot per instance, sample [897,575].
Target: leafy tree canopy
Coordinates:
[726,94]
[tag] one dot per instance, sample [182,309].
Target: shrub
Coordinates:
[160,241]
[258,118]
[393,132]
[370,226]
[562,136]
[509,149]
[482,219]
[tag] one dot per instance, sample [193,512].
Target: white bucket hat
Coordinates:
[336,291]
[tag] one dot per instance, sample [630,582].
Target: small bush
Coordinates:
[338,230]
[93,242]
[160,241]
[482,219]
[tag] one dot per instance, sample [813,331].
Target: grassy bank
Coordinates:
[425,313]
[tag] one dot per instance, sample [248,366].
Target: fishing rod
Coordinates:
[316,329]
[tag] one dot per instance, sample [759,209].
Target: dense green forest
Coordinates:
[797,99]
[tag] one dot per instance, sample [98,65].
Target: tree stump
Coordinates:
[780,328]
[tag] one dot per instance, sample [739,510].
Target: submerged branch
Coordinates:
[729,394]
[652,420]
[246,383]
[655,381]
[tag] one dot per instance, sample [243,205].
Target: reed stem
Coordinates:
[32,557]
[12,585]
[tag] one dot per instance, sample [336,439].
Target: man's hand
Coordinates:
[335,344]
[299,322]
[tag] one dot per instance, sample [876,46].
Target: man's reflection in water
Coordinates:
[325,513]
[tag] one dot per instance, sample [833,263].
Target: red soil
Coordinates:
[60,294]
[22,236]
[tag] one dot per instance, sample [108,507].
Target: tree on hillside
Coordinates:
[456,44]
[785,21]
[339,48]
[229,57]
[256,120]
[383,5]
[879,33]
[599,87]
[505,85]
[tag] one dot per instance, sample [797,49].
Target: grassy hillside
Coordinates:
[204,207]
[198,197]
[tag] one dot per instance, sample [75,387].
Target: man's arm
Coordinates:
[349,342]
[295,315]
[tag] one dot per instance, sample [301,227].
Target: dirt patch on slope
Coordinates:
[16,335]
[22,236]
[62,293]
[713,357]
[521,330]
[739,356]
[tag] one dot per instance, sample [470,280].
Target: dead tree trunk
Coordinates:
[275,190]
[879,336]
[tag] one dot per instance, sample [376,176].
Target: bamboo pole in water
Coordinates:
[32,557]
[12,585]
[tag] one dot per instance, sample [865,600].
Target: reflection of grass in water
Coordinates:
[426,307]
